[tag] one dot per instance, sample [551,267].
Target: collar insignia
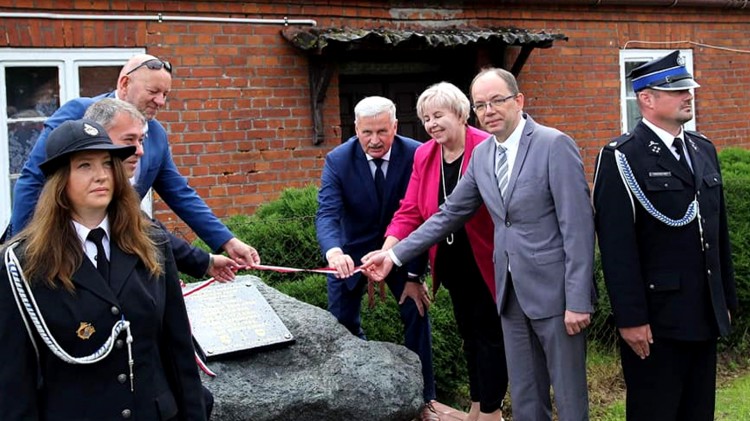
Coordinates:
[613,144]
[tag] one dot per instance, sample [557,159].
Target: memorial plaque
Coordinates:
[233,317]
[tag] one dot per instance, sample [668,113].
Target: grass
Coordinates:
[607,389]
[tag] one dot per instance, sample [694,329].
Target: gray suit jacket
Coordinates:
[544,230]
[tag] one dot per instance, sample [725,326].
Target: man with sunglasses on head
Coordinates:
[145,82]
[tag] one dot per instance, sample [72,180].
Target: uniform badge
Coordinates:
[85,330]
[654,146]
[692,143]
[613,144]
[90,130]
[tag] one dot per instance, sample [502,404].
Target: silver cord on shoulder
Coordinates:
[626,173]
[29,310]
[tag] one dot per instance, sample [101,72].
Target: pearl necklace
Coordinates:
[449,239]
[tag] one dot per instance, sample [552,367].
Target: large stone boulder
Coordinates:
[328,374]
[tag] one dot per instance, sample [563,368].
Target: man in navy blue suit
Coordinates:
[144,81]
[362,183]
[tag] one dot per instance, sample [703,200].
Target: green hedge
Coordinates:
[736,174]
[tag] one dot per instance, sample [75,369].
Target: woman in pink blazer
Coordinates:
[463,261]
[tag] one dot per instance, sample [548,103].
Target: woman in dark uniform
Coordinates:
[92,321]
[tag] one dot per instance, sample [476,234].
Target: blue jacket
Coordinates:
[157,170]
[349,214]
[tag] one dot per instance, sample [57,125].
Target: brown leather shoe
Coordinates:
[428,413]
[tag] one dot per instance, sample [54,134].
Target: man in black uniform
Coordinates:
[662,231]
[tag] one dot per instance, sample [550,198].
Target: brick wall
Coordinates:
[239,116]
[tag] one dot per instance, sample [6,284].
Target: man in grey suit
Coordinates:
[531,178]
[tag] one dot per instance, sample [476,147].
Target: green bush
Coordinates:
[736,173]
[283,232]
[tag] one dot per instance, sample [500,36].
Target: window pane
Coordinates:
[634,114]
[630,65]
[97,80]
[21,138]
[32,91]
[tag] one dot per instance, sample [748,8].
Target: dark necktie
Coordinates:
[379,178]
[680,148]
[102,264]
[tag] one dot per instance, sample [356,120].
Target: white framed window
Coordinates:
[33,85]
[629,60]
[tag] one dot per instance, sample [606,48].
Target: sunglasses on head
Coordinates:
[153,64]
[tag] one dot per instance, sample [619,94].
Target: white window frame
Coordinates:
[627,56]
[68,60]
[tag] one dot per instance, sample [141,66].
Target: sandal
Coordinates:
[428,413]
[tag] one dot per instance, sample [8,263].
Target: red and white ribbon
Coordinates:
[284,269]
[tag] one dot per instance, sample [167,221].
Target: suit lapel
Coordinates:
[697,158]
[523,149]
[396,164]
[89,278]
[120,267]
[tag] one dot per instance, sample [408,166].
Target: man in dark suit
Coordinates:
[144,81]
[662,229]
[362,183]
[531,179]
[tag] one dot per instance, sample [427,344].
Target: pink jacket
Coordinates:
[421,201]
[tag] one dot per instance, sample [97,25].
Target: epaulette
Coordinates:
[698,135]
[619,141]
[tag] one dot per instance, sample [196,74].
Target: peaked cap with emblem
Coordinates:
[75,136]
[666,73]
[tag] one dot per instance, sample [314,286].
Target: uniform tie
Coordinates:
[680,148]
[501,169]
[102,264]
[379,178]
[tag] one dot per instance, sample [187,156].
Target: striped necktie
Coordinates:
[501,169]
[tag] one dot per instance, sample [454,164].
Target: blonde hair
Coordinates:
[53,250]
[444,95]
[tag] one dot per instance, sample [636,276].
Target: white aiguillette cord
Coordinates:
[449,239]
[29,309]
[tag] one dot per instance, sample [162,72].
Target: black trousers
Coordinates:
[676,382]
[479,326]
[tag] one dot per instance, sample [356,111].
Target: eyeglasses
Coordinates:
[153,64]
[480,107]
